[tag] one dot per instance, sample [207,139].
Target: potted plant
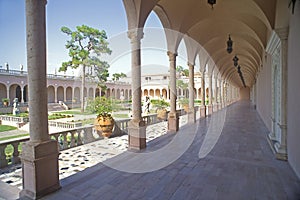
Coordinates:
[184,103]
[161,108]
[104,121]
[5,101]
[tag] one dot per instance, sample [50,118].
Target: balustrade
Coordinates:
[66,139]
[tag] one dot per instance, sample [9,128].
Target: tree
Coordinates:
[86,44]
[117,76]
[182,72]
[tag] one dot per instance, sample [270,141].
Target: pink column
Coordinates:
[136,126]
[40,154]
[173,121]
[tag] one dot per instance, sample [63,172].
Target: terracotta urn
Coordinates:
[105,125]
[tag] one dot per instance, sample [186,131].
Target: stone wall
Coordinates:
[294,91]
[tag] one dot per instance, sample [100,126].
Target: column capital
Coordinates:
[172,56]
[135,34]
[191,65]
[282,33]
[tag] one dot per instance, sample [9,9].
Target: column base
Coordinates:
[202,111]
[192,116]
[136,135]
[40,169]
[173,122]
[279,150]
[209,109]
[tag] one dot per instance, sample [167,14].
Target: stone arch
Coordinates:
[77,94]
[60,93]
[151,93]
[51,94]
[118,94]
[91,92]
[3,91]
[164,93]
[25,93]
[126,94]
[69,93]
[157,93]
[12,92]
[97,92]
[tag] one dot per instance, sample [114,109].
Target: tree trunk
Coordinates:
[82,88]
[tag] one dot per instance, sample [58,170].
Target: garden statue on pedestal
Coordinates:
[16,109]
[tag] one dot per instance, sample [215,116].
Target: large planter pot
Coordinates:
[162,114]
[186,107]
[105,125]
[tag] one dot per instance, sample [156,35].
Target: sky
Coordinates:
[108,15]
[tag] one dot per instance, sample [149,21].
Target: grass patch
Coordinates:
[123,115]
[74,112]
[13,137]
[58,116]
[7,128]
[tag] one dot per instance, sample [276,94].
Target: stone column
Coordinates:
[73,93]
[210,95]
[220,94]
[55,93]
[173,121]
[39,154]
[281,146]
[192,112]
[22,94]
[203,107]
[7,93]
[216,95]
[65,94]
[136,126]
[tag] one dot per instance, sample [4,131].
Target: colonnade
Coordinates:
[40,153]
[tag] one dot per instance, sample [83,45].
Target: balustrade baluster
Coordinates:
[72,140]
[65,142]
[15,157]
[3,161]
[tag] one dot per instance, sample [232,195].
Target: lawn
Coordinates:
[6,128]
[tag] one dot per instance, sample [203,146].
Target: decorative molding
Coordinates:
[273,43]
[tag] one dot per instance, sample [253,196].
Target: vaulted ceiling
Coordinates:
[249,23]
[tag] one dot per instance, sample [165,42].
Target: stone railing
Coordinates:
[68,125]
[68,139]
[14,119]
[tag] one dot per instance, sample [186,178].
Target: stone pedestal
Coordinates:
[192,116]
[209,109]
[136,135]
[173,122]
[40,169]
[202,111]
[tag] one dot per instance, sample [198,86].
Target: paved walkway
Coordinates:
[240,166]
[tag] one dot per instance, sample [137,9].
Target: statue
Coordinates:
[16,109]
[147,105]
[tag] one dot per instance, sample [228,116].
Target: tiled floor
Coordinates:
[240,166]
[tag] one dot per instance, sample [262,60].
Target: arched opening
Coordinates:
[69,93]
[97,92]
[25,93]
[60,93]
[3,91]
[164,93]
[151,93]
[18,93]
[157,93]
[77,94]
[91,93]
[118,95]
[51,94]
